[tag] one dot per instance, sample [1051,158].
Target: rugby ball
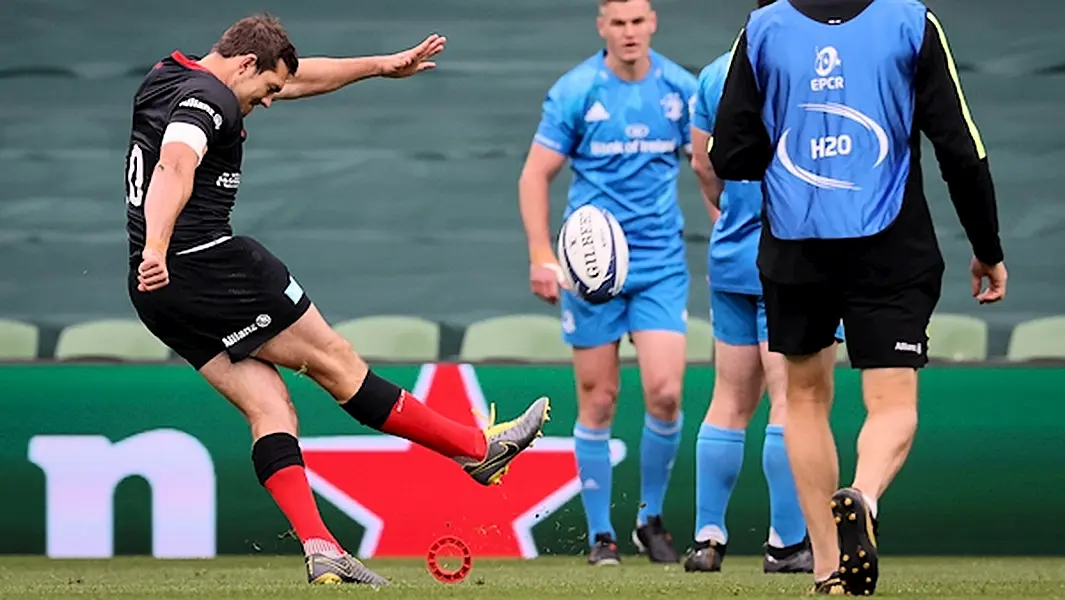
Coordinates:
[594,254]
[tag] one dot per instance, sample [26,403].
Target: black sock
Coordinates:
[373,403]
[274,452]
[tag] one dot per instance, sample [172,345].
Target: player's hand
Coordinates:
[546,280]
[996,281]
[414,60]
[152,273]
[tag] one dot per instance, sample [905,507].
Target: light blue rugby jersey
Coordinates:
[731,259]
[626,142]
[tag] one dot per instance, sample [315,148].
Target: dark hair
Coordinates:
[262,35]
[764,3]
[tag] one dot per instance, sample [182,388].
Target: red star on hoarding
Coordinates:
[406,496]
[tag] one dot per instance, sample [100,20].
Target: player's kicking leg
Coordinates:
[313,346]
[258,391]
[657,318]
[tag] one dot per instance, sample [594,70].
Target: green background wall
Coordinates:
[983,477]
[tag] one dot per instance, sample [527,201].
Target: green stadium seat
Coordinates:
[393,337]
[700,340]
[18,340]
[529,338]
[952,338]
[626,349]
[700,343]
[957,338]
[841,352]
[1038,339]
[121,339]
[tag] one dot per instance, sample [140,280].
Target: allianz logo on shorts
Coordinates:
[260,322]
[908,347]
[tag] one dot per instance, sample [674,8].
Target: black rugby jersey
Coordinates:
[178,90]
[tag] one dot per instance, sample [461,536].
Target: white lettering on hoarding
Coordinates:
[82,472]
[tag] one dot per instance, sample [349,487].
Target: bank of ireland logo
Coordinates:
[832,145]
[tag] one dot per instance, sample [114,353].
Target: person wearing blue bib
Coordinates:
[743,365]
[824,102]
[621,119]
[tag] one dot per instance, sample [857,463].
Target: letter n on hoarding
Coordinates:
[82,472]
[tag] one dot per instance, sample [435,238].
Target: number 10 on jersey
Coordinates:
[135,176]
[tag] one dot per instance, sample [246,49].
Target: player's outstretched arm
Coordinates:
[321,75]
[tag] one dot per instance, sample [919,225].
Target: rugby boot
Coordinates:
[832,586]
[604,551]
[856,529]
[705,557]
[506,441]
[653,539]
[326,570]
[792,559]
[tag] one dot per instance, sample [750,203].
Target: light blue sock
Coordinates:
[658,452]
[785,514]
[718,460]
[596,474]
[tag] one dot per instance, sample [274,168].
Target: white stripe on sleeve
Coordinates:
[188,134]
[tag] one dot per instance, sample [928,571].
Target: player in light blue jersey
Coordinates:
[621,119]
[744,366]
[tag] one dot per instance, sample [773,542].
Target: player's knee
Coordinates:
[337,368]
[730,411]
[338,348]
[597,400]
[809,383]
[662,397]
[892,394]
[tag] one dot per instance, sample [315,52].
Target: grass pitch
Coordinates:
[540,579]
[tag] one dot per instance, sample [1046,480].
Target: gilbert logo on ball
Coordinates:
[444,547]
[594,254]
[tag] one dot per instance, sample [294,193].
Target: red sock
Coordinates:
[293,496]
[413,420]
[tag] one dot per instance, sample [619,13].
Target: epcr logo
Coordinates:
[827,61]
[637,131]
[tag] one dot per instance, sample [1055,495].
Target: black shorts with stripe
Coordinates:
[230,296]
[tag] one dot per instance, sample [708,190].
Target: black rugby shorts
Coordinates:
[884,326]
[232,297]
